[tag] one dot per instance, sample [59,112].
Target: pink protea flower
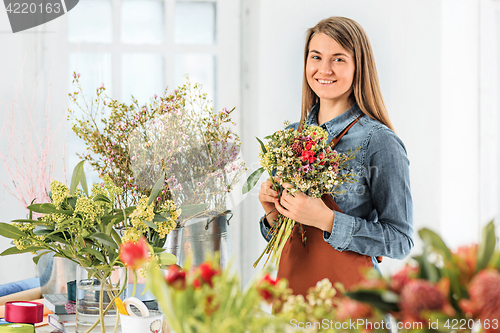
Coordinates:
[466,260]
[421,295]
[484,302]
[350,309]
[402,277]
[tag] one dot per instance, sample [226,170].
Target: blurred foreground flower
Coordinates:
[135,254]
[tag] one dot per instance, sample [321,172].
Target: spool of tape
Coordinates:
[138,304]
[17,328]
[24,312]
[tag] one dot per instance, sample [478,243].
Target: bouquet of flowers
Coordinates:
[305,160]
[444,291]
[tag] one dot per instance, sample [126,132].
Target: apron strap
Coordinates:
[327,199]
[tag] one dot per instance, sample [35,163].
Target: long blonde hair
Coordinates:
[366,88]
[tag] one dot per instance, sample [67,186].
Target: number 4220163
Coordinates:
[32,8]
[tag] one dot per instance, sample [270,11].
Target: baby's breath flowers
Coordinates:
[305,160]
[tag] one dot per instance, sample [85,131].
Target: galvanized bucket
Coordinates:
[199,237]
[55,273]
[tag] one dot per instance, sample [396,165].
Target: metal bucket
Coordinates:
[55,273]
[199,237]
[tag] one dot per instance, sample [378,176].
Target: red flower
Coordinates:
[176,277]
[402,277]
[484,302]
[419,295]
[351,309]
[205,272]
[133,254]
[466,260]
[266,288]
[309,144]
[308,156]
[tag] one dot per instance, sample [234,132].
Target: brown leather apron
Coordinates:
[303,265]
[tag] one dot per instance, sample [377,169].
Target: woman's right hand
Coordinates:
[266,197]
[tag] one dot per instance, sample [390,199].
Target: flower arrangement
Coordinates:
[305,160]
[144,148]
[208,299]
[445,291]
[81,227]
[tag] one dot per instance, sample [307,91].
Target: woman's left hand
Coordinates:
[304,209]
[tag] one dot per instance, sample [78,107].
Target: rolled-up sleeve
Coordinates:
[390,234]
[264,228]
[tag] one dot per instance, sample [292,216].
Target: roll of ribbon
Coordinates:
[24,312]
[17,328]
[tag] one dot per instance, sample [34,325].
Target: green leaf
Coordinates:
[15,250]
[167,259]
[377,298]
[101,197]
[486,247]
[116,237]
[105,239]
[262,146]
[28,221]
[189,210]
[159,218]
[37,258]
[11,231]
[158,250]
[78,177]
[432,239]
[42,231]
[48,208]
[93,252]
[150,224]
[160,183]
[57,238]
[252,180]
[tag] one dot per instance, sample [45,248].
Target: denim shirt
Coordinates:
[377,210]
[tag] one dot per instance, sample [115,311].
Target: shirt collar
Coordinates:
[338,124]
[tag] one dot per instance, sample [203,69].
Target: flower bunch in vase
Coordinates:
[305,160]
[444,290]
[176,146]
[81,226]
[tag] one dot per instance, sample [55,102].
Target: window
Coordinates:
[139,47]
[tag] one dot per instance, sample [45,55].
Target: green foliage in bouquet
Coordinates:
[445,290]
[111,130]
[81,227]
[208,299]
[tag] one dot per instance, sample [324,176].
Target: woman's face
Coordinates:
[329,69]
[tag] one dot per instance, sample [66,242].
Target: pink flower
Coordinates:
[308,156]
[154,96]
[102,85]
[484,302]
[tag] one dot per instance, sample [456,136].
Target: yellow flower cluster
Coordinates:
[59,192]
[88,210]
[168,209]
[108,189]
[131,234]
[142,212]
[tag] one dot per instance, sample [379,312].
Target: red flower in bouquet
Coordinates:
[308,156]
[266,287]
[421,295]
[205,274]
[466,260]
[309,144]
[176,277]
[484,302]
[135,254]
[402,277]
[350,309]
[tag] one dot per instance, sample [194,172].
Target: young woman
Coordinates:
[373,217]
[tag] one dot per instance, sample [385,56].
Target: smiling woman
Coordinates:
[341,94]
